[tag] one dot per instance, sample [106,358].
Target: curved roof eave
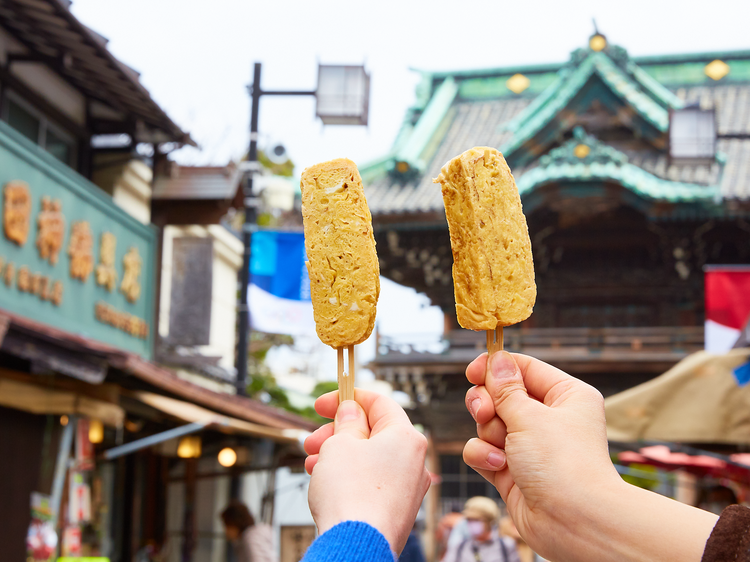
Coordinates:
[637,180]
[637,89]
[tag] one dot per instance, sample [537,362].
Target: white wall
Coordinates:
[132,190]
[226,263]
[291,506]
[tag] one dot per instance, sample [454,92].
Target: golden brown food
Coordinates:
[343,265]
[493,270]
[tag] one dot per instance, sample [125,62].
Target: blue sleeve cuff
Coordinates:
[350,541]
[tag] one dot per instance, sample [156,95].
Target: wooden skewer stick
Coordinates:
[346,380]
[351,367]
[494,344]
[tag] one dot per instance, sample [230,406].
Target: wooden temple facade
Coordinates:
[626,205]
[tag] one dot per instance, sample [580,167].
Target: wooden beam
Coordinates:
[42,104]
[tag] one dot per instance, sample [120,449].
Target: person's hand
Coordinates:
[368,465]
[542,442]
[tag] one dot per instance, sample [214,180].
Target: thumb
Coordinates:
[504,383]
[351,419]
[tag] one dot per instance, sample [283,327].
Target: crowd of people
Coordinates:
[541,441]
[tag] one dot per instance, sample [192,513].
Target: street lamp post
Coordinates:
[343,95]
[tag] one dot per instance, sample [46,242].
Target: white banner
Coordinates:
[276,315]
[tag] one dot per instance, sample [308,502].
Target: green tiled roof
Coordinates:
[458,109]
[412,150]
[604,163]
[647,97]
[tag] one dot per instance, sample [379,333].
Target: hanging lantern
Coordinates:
[227,457]
[96,431]
[189,447]
[343,94]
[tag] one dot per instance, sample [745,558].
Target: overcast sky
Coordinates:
[195,57]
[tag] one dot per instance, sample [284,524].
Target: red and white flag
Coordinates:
[727,306]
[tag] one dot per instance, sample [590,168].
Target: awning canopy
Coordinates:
[199,419]
[661,456]
[697,401]
[125,363]
[39,400]
[191,413]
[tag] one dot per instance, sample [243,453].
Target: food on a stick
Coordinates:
[493,269]
[342,263]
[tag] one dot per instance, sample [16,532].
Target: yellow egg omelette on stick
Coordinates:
[342,263]
[493,269]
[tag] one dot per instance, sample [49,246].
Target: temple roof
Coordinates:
[457,110]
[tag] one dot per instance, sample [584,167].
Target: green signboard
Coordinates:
[69,257]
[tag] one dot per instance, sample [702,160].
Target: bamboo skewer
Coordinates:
[346,380]
[494,344]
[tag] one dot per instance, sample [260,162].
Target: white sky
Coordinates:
[195,57]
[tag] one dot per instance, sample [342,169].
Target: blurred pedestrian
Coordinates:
[444,530]
[485,543]
[413,551]
[252,542]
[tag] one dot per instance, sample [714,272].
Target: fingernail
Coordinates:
[496,460]
[348,411]
[474,407]
[503,366]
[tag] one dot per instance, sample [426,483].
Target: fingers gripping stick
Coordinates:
[346,380]
[494,344]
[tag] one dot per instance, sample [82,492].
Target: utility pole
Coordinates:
[250,204]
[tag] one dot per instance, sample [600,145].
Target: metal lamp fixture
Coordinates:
[343,98]
[343,95]
[692,133]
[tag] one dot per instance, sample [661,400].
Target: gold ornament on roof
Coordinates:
[517,83]
[106,275]
[50,230]
[130,285]
[80,251]
[16,211]
[597,42]
[581,150]
[717,69]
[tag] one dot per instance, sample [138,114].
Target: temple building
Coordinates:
[634,173]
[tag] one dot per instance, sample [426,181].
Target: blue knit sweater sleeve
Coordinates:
[350,541]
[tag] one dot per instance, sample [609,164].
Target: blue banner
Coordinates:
[279,292]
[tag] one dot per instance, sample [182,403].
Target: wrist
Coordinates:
[626,523]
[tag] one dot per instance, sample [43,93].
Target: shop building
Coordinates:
[116,453]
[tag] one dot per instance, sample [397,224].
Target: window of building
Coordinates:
[460,482]
[36,127]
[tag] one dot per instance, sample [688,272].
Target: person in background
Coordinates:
[413,548]
[542,443]
[508,529]
[444,530]
[252,542]
[485,543]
